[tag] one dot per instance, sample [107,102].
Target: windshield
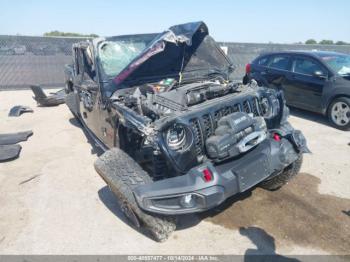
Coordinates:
[339,63]
[116,54]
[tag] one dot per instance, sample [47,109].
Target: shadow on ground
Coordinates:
[111,202]
[295,214]
[94,148]
[311,116]
[265,246]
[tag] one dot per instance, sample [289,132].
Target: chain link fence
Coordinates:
[26,60]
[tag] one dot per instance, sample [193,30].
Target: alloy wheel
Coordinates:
[340,113]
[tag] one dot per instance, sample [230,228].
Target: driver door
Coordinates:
[92,108]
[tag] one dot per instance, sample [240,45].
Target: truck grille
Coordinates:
[205,126]
[198,139]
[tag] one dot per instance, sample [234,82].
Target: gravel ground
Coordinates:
[53,202]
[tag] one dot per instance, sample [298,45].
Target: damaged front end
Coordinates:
[208,184]
[201,137]
[212,151]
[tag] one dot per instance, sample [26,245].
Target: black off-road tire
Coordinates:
[122,174]
[345,101]
[287,174]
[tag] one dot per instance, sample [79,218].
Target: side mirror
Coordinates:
[320,74]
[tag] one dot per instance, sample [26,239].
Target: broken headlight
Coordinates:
[178,137]
[270,106]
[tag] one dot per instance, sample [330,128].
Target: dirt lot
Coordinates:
[53,202]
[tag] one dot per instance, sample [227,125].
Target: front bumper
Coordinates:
[192,193]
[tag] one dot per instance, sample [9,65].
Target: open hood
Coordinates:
[183,52]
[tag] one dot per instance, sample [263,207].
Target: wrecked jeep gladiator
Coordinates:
[178,135]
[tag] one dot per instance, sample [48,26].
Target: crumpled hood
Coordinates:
[181,49]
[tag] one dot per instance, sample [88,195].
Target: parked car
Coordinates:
[179,136]
[13,50]
[6,50]
[20,49]
[317,81]
[45,49]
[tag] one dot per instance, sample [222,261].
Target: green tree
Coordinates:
[311,42]
[59,33]
[341,43]
[326,42]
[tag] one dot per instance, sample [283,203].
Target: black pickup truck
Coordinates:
[179,136]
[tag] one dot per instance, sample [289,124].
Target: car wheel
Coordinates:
[281,179]
[122,174]
[339,113]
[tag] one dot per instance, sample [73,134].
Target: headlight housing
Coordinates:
[270,106]
[178,137]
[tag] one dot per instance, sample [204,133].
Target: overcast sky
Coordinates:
[279,21]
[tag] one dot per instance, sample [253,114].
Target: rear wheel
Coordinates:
[339,113]
[281,179]
[122,174]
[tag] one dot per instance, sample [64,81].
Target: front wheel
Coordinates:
[122,174]
[339,113]
[281,179]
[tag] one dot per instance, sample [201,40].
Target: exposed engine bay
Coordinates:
[214,120]
[166,97]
